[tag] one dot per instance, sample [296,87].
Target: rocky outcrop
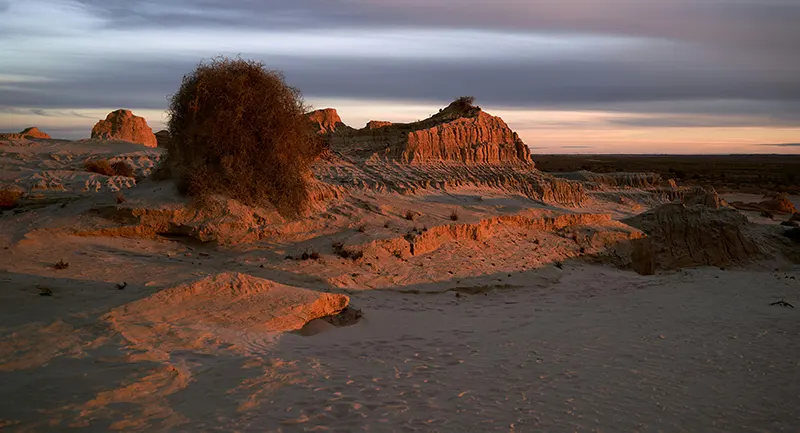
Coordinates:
[482,139]
[379,175]
[377,124]
[601,181]
[682,236]
[432,239]
[778,204]
[326,121]
[459,133]
[123,125]
[162,138]
[703,196]
[228,308]
[212,219]
[27,133]
[34,132]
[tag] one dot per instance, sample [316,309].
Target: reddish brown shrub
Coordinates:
[99,166]
[9,198]
[238,130]
[121,168]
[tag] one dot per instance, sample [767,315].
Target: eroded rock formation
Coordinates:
[777,204]
[125,126]
[221,308]
[601,181]
[458,133]
[327,121]
[703,196]
[682,236]
[377,124]
[379,175]
[27,133]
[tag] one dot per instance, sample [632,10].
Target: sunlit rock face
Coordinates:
[125,126]
[460,132]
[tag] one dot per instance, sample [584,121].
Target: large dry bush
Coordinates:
[238,130]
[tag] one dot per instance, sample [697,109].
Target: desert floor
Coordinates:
[517,333]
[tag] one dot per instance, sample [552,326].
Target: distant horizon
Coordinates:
[81,123]
[700,77]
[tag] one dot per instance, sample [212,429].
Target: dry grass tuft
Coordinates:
[341,251]
[61,265]
[238,130]
[454,215]
[9,198]
[120,197]
[410,215]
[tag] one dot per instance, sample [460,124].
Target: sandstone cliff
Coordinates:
[458,133]
[327,121]
[125,126]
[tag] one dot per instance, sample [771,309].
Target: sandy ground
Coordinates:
[474,334]
[597,350]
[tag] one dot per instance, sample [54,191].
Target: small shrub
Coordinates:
[362,228]
[454,215]
[410,215]
[238,130]
[386,225]
[309,255]
[61,265]
[120,197]
[464,103]
[341,251]
[121,168]
[767,214]
[99,166]
[9,198]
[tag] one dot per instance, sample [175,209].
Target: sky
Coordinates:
[570,76]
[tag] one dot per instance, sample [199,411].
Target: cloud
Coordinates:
[658,64]
[782,145]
